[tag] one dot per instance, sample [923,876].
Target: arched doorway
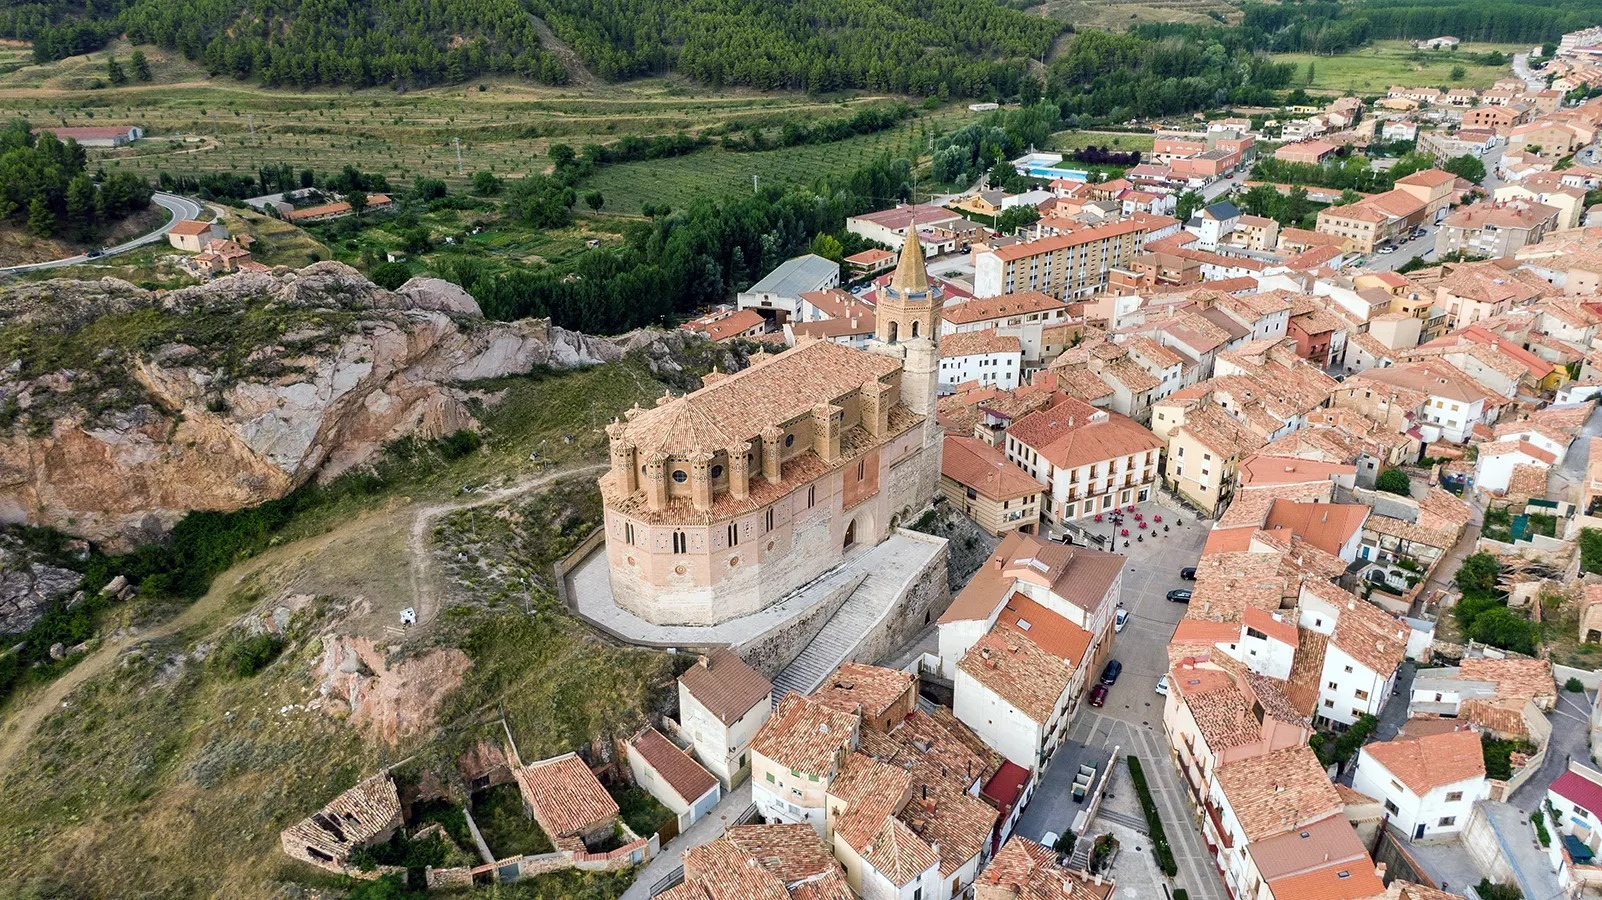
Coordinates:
[850,535]
[893,330]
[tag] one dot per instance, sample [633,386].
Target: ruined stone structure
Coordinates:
[721,502]
[365,815]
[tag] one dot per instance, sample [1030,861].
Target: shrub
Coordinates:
[1573,685]
[249,655]
[1491,891]
[1477,576]
[1394,481]
[1539,821]
[1154,821]
[1499,756]
[1340,749]
[1591,550]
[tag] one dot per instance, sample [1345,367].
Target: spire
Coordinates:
[911,277]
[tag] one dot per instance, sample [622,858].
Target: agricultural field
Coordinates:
[197,124]
[1373,69]
[679,180]
[1069,141]
[1122,15]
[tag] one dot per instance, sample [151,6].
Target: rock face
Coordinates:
[122,409]
[28,586]
[391,702]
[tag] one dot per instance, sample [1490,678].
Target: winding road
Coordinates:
[181,208]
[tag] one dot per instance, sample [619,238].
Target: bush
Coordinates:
[1394,481]
[1539,821]
[1490,891]
[1574,686]
[1154,821]
[247,656]
[1478,574]
[1591,550]
[1499,756]
[1340,749]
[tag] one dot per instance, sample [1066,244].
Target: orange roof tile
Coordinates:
[1073,433]
[975,464]
[1050,631]
[725,685]
[683,774]
[565,795]
[804,735]
[1431,761]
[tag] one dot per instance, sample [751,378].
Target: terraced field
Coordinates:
[1121,15]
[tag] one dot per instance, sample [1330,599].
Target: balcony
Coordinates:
[1215,819]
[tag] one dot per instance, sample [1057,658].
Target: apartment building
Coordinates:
[1088,460]
[1073,264]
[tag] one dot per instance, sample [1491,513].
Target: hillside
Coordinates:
[926,47]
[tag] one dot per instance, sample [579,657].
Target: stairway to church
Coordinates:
[889,568]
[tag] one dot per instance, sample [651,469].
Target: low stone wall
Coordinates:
[567,563]
[1592,679]
[458,876]
[923,599]
[777,647]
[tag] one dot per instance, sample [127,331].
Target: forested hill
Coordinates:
[924,47]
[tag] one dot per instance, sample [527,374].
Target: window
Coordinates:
[973,494]
[770,779]
[740,763]
[812,495]
[734,535]
[1448,821]
[768,519]
[1348,670]
[628,533]
[1207,456]
[862,469]
[1329,704]
[681,544]
[1391,808]
[1395,785]
[1181,453]
[1454,796]
[1334,686]
[717,472]
[789,440]
[680,476]
[1360,694]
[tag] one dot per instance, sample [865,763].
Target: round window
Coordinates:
[680,476]
[789,440]
[717,472]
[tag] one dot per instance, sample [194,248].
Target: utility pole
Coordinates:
[458,143]
[754,184]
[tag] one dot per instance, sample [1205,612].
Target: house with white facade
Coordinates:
[722,704]
[779,292]
[795,756]
[987,357]
[1255,799]
[1088,459]
[1035,319]
[1023,639]
[667,773]
[1363,646]
[1494,467]
[1428,784]
[1453,402]
[1213,223]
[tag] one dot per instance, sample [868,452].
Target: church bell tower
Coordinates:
[909,306]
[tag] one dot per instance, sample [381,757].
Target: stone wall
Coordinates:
[776,648]
[923,599]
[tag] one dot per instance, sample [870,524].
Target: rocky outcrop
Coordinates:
[122,409]
[29,585]
[391,701]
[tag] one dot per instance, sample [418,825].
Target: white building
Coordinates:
[993,360]
[1453,404]
[1213,223]
[1428,784]
[780,291]
[1365,645]
[1493,469]
[667,773]
[1033,318]
[1023,639]
[1088,459]
[722,705]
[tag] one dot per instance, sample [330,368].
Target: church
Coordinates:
[721,502]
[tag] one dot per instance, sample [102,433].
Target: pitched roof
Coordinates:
[1430,761]
[682,773]
[1002,306]
[1050,631]
[864,690]
[1079,575]
[1277,791]
[1327,526]
[1012,666]
[1580,790]
[725,685]
[975,464]
[1024,870]
[1323,861]
[190,228]
[976,343]
[765,862]
[1073,433]
[805,735]
[566,796]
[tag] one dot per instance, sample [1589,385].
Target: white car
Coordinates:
[1387,249]
[1162,686]
[1120,620]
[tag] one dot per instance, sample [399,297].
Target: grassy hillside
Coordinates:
[1373,69]
[156,770]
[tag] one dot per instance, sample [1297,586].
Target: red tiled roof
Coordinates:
[191,228]
[683,774]
[566,797]
[725,685]
[1579,790]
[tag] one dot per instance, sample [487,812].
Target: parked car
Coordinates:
[1188,573]
[1418,233]
[1120,620]
[1179,595]
[1098,695]
[1162,686]
[95,252]
[1109,675]
[1387,250]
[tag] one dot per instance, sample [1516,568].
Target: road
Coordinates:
[181,208]
[1521,68]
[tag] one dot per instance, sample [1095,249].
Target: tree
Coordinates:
[357,201]
[390,275]
[1458,73]
[115,72]
[594,200]
[1478,575]
[41,221]
[1311,73]
[1188,203]
[1394,481]
[1466,167]
[1016,217]
[1548,50]
[485,184]
[1502,627]
[141,65]
[828,247]
[80,205]
[562,155]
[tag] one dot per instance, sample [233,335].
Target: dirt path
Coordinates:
[24,720]
[424,593]
[576,70]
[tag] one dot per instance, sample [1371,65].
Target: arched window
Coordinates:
[892,332]
[680,476]
[914,329]
[681,544]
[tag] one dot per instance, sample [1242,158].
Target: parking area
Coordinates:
[1052,808]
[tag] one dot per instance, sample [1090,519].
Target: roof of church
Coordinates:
[910,281]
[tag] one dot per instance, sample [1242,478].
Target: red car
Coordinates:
[1098,695]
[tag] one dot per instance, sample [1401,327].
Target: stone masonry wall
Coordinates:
[922,601]
[776,648]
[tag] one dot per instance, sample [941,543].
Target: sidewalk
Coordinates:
[709,828]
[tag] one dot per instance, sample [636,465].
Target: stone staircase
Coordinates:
[840,635]
[1080,858]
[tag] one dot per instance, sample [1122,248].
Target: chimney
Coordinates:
[1379,870]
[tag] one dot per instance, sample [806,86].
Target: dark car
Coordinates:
[1179,595]
[1188,573]
[1109,675]
[1098,695]
[94,253]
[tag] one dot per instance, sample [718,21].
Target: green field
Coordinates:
[1373,69]
[680,180]
[1068,141]
[197,124]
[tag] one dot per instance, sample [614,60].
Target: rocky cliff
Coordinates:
[121,409]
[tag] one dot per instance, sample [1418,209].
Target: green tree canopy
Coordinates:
[1394,481]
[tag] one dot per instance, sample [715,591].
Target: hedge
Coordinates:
[1154,822]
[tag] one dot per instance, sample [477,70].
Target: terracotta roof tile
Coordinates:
[978,343]
[805,736]
[999,307]
[1016,669]
[1275,792]
[1024,870]
[725,685]
[1073,433]
[565,795]
[1079,575]
[865,690]
[682,773]
[1431,761]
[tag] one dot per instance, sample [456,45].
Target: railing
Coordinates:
[672,880]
